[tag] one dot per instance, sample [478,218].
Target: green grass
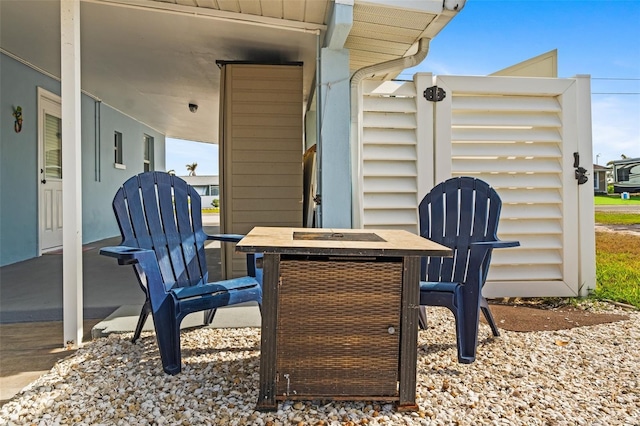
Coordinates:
[615,200]
[618,268]
[614,218]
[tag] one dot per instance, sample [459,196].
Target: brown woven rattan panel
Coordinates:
[338,328]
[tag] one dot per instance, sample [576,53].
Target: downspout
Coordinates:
[356,148]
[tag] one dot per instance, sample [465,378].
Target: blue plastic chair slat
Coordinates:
[160,221]
[167,227]
[461,213]
[158,237]
[198,233]
[185,227]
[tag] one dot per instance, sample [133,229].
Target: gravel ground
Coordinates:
[582,376]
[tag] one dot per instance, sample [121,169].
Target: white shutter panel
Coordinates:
[518,134]
[388,160]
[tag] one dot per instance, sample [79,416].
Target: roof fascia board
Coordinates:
[221,15]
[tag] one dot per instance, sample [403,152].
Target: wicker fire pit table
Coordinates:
[339,313]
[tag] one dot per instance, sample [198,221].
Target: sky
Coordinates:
[598,38]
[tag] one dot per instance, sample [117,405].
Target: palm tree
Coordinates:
[191,168]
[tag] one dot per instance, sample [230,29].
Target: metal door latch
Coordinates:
[580,172]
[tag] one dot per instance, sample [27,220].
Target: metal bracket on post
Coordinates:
[434,94]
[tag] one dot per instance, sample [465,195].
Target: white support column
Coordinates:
[425,135]
[333,117]
[71,173]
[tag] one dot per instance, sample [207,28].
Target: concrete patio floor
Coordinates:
[31,334]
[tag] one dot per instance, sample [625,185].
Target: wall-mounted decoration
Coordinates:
[17,113]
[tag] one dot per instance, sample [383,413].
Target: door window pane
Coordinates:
[52,147]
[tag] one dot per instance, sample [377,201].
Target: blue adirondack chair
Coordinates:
[162,237]
[461,213]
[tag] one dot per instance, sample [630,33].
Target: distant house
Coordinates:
[626,175]
[207,186]
[600,179]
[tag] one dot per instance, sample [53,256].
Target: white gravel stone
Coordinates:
[583,376]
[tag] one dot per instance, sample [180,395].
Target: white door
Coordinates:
[519,135]
[50,170]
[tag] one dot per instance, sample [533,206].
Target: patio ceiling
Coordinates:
[151,58]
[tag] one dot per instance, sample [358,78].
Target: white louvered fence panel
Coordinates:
[389,156]
[517,142]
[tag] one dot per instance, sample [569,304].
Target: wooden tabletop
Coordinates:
[331,241]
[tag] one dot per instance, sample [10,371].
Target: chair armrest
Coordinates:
[215,287]
[125,255]
[496,244]
[227,238]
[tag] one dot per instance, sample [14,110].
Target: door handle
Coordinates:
[43,181]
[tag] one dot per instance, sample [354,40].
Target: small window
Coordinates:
[214,190]
[623,173]
[117,148]
[148,153]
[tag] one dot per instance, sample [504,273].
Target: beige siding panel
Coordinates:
[262,120]
[251,109]
[273,132]
[261,152]
[278,204]
[267,87]
[261,144]
[268,192]
[278,169]
[242,180]
[269,218]
[243,156]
